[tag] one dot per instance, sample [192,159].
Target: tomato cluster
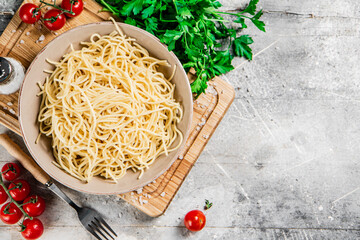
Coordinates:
[53,19]
[20,203]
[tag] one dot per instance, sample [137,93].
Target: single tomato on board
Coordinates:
[195,220]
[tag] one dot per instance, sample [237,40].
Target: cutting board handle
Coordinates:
[24,159]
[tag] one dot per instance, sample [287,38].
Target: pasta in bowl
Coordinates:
[113,108]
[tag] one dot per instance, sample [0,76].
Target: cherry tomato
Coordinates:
[20,191]
[32,229]
[54,19]
[3,195]
[10,214]
[34,205]
[195,220]
[10,171]
[77,7]
[29,13]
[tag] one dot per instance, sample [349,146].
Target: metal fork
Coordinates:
[88,217]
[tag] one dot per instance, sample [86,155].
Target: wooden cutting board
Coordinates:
[21,41]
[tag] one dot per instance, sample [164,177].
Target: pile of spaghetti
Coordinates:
[108,109]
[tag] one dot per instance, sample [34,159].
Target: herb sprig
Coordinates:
[195,30]
[208,204]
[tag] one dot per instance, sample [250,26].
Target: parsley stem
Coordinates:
[166,20]
[110,8]
[217,20]
[228,13]
[234,14]
[186,44]
[174,1]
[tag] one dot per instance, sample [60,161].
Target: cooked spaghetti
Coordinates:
[108,109]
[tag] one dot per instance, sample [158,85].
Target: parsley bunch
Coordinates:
[194,30]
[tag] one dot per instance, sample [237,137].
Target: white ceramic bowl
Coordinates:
[29,107]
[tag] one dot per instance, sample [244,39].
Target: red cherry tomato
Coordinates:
[10,214]
[3,195]
[20,191]
[77,7]
[34,205]
[10,171]
[32,229]
[54,19]
[195,220]
[29,13]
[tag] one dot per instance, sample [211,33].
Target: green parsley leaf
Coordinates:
[222,69]
[147,12]
[185,12]
[189,64]
[132,7]
[258,15]
[222,62]
[216,4]
[170,38]
[175,35]
[241,47]
[259,24]
[198,86]
[241,20]
[251,8]
[130,21]
[151,24]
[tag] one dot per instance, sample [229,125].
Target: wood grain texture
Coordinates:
[209,109]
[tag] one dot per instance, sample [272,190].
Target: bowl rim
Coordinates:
[56,178]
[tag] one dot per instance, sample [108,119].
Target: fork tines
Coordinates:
[99,227]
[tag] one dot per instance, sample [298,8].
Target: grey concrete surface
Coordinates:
[284,162]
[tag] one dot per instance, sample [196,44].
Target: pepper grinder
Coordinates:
[12,74]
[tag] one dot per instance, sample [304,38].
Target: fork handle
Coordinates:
[55,189]
[24,159]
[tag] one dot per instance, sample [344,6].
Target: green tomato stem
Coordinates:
[57,7]
[32,200]
[8,170]
[12,199]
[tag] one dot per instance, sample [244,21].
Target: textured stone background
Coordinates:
[284,162]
